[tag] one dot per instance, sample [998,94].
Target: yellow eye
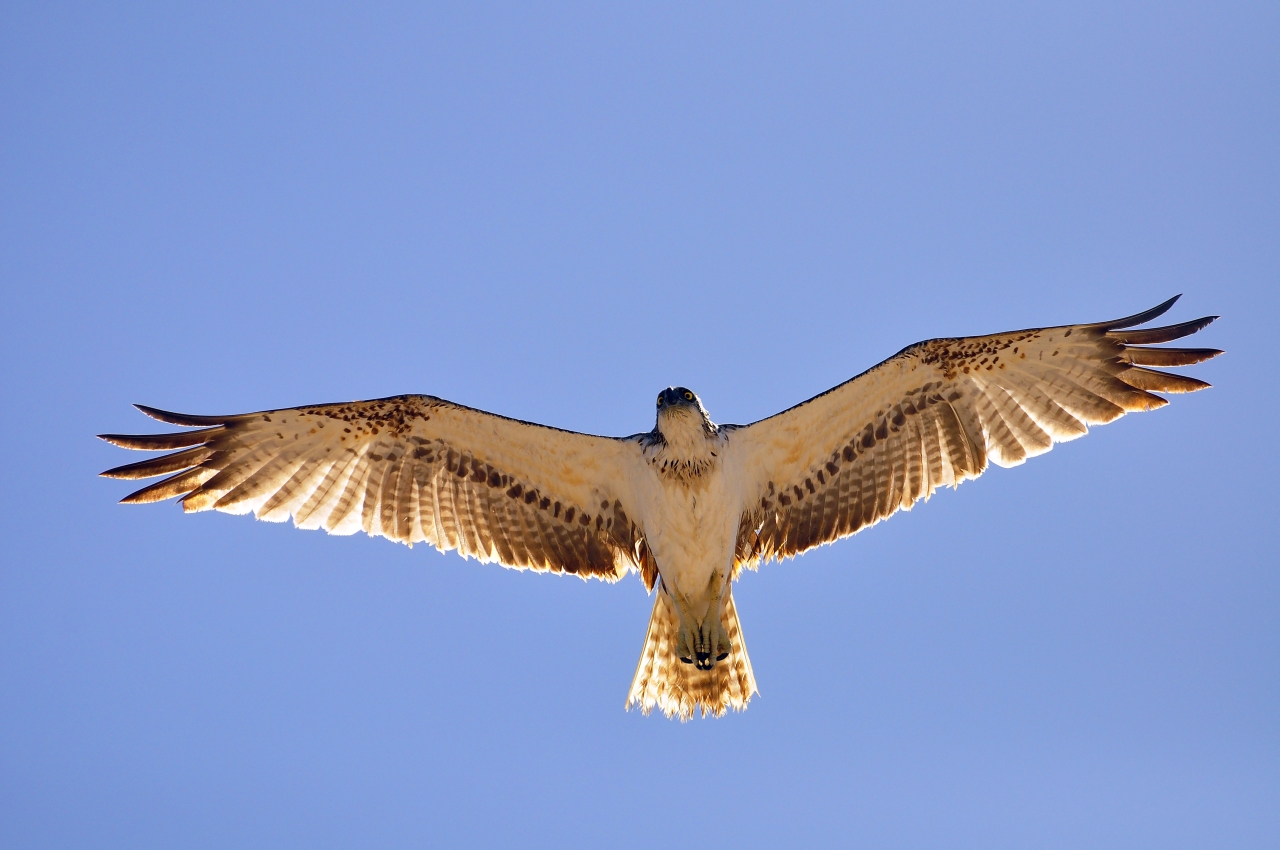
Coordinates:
[659,401]
[688,396]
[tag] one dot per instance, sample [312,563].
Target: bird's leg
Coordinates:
[702,643]
[684,636]
[712,636]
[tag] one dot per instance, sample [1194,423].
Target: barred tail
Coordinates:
[679,689]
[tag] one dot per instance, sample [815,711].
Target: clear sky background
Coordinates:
[552,213]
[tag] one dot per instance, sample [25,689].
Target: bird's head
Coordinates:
[680,409]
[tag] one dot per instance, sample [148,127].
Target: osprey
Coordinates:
[686,505]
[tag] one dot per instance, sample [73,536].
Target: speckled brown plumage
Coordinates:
[361,466]
[937,412]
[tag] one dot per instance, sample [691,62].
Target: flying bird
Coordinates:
[686,505]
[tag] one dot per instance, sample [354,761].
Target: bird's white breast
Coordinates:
[691,526]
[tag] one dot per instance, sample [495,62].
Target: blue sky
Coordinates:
[551,213]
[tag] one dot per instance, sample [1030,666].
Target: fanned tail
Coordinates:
[680,689]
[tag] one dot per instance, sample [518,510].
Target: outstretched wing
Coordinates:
[935,414]
[412,469]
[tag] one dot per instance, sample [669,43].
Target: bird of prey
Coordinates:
[686,505]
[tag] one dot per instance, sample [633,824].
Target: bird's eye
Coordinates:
[659,401]
[688,396]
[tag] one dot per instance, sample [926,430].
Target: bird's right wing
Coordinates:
[934,414]
[412,469]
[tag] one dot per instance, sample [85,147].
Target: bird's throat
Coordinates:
[687,446]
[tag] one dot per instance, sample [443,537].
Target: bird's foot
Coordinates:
[704,644]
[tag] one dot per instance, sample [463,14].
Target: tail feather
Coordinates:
[680,689]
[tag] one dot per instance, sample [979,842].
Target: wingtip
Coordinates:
[1154,336]
[171,418]
[1163,307]
[158,414]
[120,440]
[1140,318]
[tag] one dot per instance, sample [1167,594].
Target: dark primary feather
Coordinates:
[1139,318]
[158,442]
[1167,356]
[176,485]
[187,419]
[160,465]
[1158,335]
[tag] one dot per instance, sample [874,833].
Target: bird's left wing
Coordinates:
[935,414]
[412,469]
